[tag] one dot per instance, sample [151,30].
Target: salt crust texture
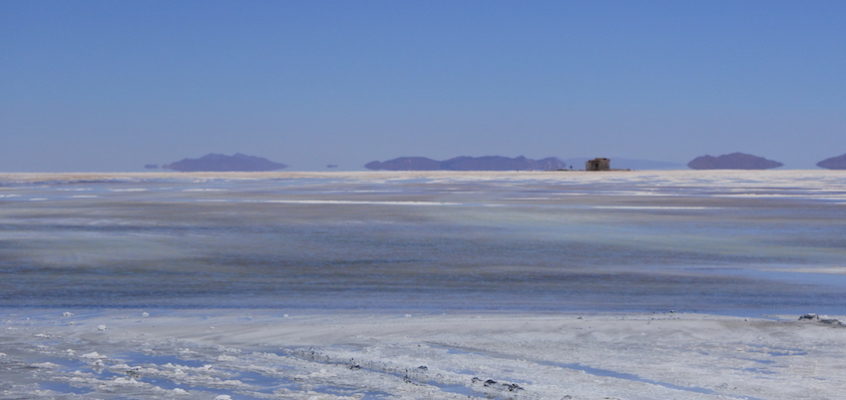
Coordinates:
[260,354]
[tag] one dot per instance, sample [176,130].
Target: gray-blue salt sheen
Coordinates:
[222,162]
[436,243]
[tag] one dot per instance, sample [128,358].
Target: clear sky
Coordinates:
[113,85]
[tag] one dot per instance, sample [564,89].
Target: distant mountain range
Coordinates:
[243,162]
[222,162]
[466,163]
[838,162]
[733,161]
[500,163]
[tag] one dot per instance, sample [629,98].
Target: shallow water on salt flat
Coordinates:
[719,242]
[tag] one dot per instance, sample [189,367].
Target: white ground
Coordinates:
[256,354]
[266,354]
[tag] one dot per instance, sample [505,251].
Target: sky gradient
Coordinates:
[113,85]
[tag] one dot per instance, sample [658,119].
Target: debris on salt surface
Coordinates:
[101,327]
[511,387]
[145,314]
[408,315]
[223,397]
[284,315]
[823,319]
[67,314]
[92,355]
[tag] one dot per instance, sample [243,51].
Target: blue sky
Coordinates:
[113,85]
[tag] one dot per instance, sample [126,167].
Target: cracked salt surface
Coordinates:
[354,356]
[590,370]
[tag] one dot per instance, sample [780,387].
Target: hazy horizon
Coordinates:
[112,86]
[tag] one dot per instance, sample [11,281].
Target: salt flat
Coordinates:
[256,354]
[422,285]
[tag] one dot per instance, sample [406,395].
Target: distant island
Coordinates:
[466,163]
[222,162]
[838,162]
[733,161]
